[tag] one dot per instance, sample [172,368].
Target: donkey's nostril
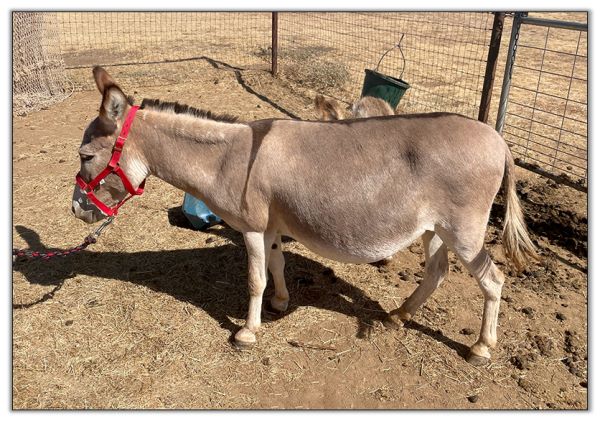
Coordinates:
[73,209]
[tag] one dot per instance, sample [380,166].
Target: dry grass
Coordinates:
[309,66]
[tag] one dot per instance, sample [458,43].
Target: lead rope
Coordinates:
[90,239]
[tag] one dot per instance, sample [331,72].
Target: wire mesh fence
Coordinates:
[39,77]
[546,116]
[442,55]
[124,38]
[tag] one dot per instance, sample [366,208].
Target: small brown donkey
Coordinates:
[367,106]
[351,190]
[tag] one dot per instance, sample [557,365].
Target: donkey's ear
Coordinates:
[114,105]
[333,110]
[103,79]
[114,101]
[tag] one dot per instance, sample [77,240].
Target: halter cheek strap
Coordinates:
[113,167]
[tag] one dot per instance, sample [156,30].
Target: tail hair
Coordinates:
[518,247]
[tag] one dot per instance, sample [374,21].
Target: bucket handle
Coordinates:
[397,45]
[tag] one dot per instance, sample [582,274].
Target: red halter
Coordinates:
[113,167]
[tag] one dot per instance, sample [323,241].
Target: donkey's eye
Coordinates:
[86,157]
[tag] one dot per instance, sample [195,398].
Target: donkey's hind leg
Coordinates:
[280,300]
[436,269]
[490,280]
[469,248]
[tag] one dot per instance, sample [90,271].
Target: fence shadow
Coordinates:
[217,64]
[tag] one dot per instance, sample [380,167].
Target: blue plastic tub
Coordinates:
[196,211]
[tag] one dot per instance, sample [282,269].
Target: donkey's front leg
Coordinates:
[258,247]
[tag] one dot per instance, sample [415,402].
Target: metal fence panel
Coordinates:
[546,113]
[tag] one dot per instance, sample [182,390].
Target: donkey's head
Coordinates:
[96,150]
[328,109]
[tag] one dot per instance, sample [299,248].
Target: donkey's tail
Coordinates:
[517,245]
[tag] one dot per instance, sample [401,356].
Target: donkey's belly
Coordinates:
[358,255]
[366,251]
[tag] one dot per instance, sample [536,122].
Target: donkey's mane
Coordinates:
[177,108]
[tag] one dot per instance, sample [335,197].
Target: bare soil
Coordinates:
[144,318]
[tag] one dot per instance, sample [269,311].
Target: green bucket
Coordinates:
[388,88]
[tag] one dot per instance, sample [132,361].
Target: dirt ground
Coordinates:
[145,317]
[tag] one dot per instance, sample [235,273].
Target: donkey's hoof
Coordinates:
[245,339]
[391,322]
[477,360]
[278,305]
[397,317]
[401,315]
[404,315]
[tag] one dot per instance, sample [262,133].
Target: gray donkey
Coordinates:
[350,190]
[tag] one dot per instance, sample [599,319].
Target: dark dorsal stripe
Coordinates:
[158,105]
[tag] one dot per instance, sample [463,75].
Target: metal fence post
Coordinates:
[274,39]
[510,61]
[490,69]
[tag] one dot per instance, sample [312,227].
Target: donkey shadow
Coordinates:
[213,279]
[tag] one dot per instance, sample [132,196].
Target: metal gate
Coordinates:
[543,104]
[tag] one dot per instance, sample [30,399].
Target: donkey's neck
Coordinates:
[186,151]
